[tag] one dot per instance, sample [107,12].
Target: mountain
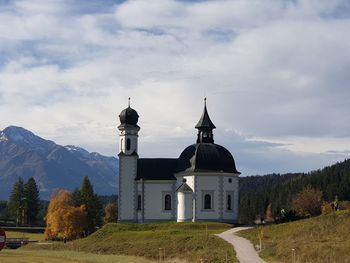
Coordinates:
[22,153]
[257,192]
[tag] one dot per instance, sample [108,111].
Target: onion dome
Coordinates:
[206,157]
[128,116]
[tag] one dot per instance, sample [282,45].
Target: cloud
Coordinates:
[275,74]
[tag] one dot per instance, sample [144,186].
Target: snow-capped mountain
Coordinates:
[53,166]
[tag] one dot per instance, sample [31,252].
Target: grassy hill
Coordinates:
[184,241]
[46,256]
[319,239]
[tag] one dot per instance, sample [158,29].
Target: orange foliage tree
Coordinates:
[63,220]
[308,202]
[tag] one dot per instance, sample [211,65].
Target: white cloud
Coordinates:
[274,70]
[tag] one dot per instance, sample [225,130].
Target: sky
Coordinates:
[276,75]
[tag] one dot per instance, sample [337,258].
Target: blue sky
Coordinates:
[276,75]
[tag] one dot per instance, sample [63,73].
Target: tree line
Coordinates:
[67,215]
[24,202]
[274,193]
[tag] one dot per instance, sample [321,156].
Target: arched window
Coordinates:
[139,205]
[167,202]
[229,202]
[207,201]
[128,144]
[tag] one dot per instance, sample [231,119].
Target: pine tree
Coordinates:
[31,201]
[16,202]
[86,196]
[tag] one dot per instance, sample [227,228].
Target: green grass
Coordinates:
[31,236]
[44,256]
[184,241]
[320,239]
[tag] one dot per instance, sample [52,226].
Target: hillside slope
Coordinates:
[319,239]
[52,166]
[185,241]
[257,192]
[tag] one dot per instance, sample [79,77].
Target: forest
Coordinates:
[275,192]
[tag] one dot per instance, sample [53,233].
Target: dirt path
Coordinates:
[244,249]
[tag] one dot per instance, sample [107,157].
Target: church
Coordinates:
[200,185]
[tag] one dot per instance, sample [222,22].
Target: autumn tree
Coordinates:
[63,219]
[308,202]
[111,213]
[86,196]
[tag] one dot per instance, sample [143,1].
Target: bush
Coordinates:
[308,202]
[326,208]
[344,205]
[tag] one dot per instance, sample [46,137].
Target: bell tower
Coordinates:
[128,143]
[128,131]
[205,127]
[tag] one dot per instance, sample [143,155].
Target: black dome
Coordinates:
[206,157]
[128,116]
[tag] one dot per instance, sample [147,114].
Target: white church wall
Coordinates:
[207,184]
[127,166]
[184,206]
[189,180]
[231,188]
[154,194]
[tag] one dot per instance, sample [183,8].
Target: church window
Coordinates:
[229,202]
[128,144]
[167,202]
[230,180]
[139,202]
[207,201]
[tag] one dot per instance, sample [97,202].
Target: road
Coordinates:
[244,248]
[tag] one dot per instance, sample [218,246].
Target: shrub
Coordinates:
[326,208]
[308,202]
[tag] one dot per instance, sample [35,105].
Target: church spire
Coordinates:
[205,127]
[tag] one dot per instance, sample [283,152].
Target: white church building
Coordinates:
[200,185]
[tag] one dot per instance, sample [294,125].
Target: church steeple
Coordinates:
[205,127]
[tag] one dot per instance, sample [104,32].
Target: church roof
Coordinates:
[184,188]
[156,169]
[205,122]
[128,116]
[206,157]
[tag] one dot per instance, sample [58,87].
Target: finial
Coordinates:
[205,101]
[129,101]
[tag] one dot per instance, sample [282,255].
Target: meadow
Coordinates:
[179,242]
[320,239]
[44,256]
[31,236]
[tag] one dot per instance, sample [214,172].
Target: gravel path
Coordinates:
[244,249]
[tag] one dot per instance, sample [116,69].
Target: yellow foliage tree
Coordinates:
[63,220]
[110,213]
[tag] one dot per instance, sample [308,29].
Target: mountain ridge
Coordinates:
[52,165]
